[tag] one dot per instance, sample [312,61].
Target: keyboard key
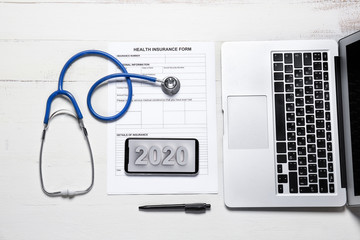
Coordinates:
[330,157]
[322,173]
[288,68]
[289,87]
[278,76]
[329,146]
[281,147]
[291,136]
[293,182]
[290,117]
[311,148]
[310,119]
[300,121]
[319,113]
[278,67]
[320,133]
[298,73]
[290,107]
[321,143]
[302,161]
[309,109]
[318,85]
[327,116]
[302,170]
[328,136]
[303,181]
[289,78]
[311,138]
[300,112]
[291,126]
[327,96]
[307,71]
[310,128]
[279,168]
[326,86]
[319,104]
[297,60]
[321,153]
[316,56]
[313,188]
[280,117]
[325,56]
[312,158]
[299,102]
[318,94]
[331,188]
[288,57]
[301,141]
[290,97]
[328,126]
[300,131]
[279,87]
[312,168]
[323,185]
[307,59]
[281,158]
[308,80]
[318,75]
[292,166]
[291,146]
[299,92]
[309,90]
[299,83]
[280,188]
[322,163]
[326,76]
[277,57]
[309,99]
[325,66]
[292,156]
[312,178]
[327,106]
[317,66]
[282,178]
[301,151]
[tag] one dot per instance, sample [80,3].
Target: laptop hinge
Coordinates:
[340,121]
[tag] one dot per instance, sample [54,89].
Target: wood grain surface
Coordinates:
[36,39]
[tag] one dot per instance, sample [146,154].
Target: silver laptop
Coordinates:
[291,133]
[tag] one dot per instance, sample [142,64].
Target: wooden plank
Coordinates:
[169,22]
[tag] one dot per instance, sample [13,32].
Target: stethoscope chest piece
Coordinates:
[170,85]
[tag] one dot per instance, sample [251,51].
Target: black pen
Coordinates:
[188,208]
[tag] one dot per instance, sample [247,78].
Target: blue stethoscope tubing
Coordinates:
[123,74]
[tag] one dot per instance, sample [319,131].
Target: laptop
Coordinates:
[291,128]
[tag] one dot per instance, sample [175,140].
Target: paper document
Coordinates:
[191,113]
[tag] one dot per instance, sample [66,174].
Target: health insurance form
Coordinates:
[191,113]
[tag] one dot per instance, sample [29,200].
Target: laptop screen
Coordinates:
[353,70]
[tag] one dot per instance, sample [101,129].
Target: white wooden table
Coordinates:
[37,37]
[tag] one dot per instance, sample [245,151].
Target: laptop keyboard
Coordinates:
[303,129]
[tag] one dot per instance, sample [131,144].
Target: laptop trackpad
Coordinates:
[247,122]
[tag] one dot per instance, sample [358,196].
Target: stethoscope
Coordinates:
[170,86]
